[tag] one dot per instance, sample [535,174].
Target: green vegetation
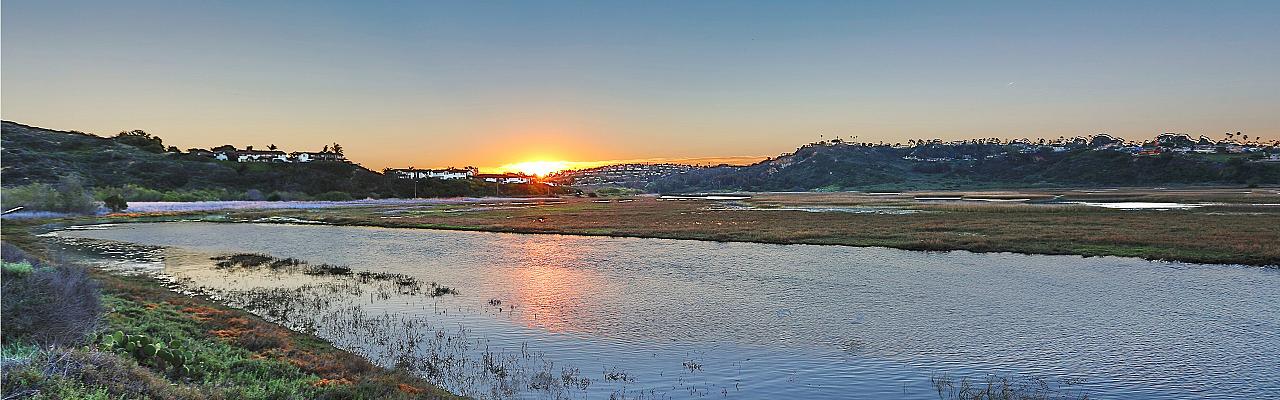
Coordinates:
[17,270]
[68,196]
[972,166]
[1233,232]
[134,192]
[140,139]
[615,192]
[115,203]
[130,166]
[70,333]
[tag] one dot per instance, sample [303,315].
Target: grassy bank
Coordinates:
[229,354]
[1231,229]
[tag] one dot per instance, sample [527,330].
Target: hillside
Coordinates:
[36,155]
[842,166]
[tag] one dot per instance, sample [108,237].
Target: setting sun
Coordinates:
[536,168]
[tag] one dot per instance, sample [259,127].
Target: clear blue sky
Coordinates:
[487,83]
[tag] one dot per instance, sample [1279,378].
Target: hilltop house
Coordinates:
[504,178]
[230,153]
[251,155]
[309,156]
[447,173]
[1154,151]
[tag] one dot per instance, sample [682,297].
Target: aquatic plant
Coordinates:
[326,269]
[1004,388]
[437,290]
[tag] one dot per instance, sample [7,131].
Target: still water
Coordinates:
[555,316]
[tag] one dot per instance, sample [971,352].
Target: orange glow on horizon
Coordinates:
[536,168]
[542,168]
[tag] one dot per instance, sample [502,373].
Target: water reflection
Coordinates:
[767,321]
[544,284]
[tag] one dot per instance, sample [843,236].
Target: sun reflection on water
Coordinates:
[548,288]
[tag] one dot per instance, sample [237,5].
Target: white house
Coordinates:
[262,156]
[309,156]
[504,178]
[447,173]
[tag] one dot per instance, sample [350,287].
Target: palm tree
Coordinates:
[272,147]
[337,148]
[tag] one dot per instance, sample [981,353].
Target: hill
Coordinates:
[846,166]
[139,168]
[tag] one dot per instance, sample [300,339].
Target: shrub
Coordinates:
[262,337]
[78,373]
[68,196]
[59,305]
[115,203]
[15,270]
[333,196]
[141,139]
[36,196]
[254,195]
[13,254]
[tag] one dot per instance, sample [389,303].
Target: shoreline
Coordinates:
[302,365]
[287,216]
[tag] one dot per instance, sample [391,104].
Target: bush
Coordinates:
[48,305]
[68,196]
[333,196]
[141,139]
[254,195]
[115,203]
[80,374]
[15,270]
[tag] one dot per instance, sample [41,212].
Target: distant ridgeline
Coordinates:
[623,175]
[1100,160]
[139,167]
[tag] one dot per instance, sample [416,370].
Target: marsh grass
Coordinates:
[251,357]
[403,284]
[1004,388]
[1237,233]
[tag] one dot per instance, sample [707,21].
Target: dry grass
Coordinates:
[336,369]
[1217,234]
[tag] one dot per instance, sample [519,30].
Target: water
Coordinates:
[1140,205]
[658,318]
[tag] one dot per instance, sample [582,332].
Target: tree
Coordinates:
[272,147]
[337,148]
[115,203]
[140,139]
[72,196]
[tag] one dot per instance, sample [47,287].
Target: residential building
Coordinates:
[309,156]
[618,174]
[504,178]
[447,173]
[262,156]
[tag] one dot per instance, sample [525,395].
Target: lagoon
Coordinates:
[546,316]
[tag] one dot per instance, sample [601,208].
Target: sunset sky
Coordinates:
[434,84]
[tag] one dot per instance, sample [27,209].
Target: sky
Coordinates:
[435,84]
